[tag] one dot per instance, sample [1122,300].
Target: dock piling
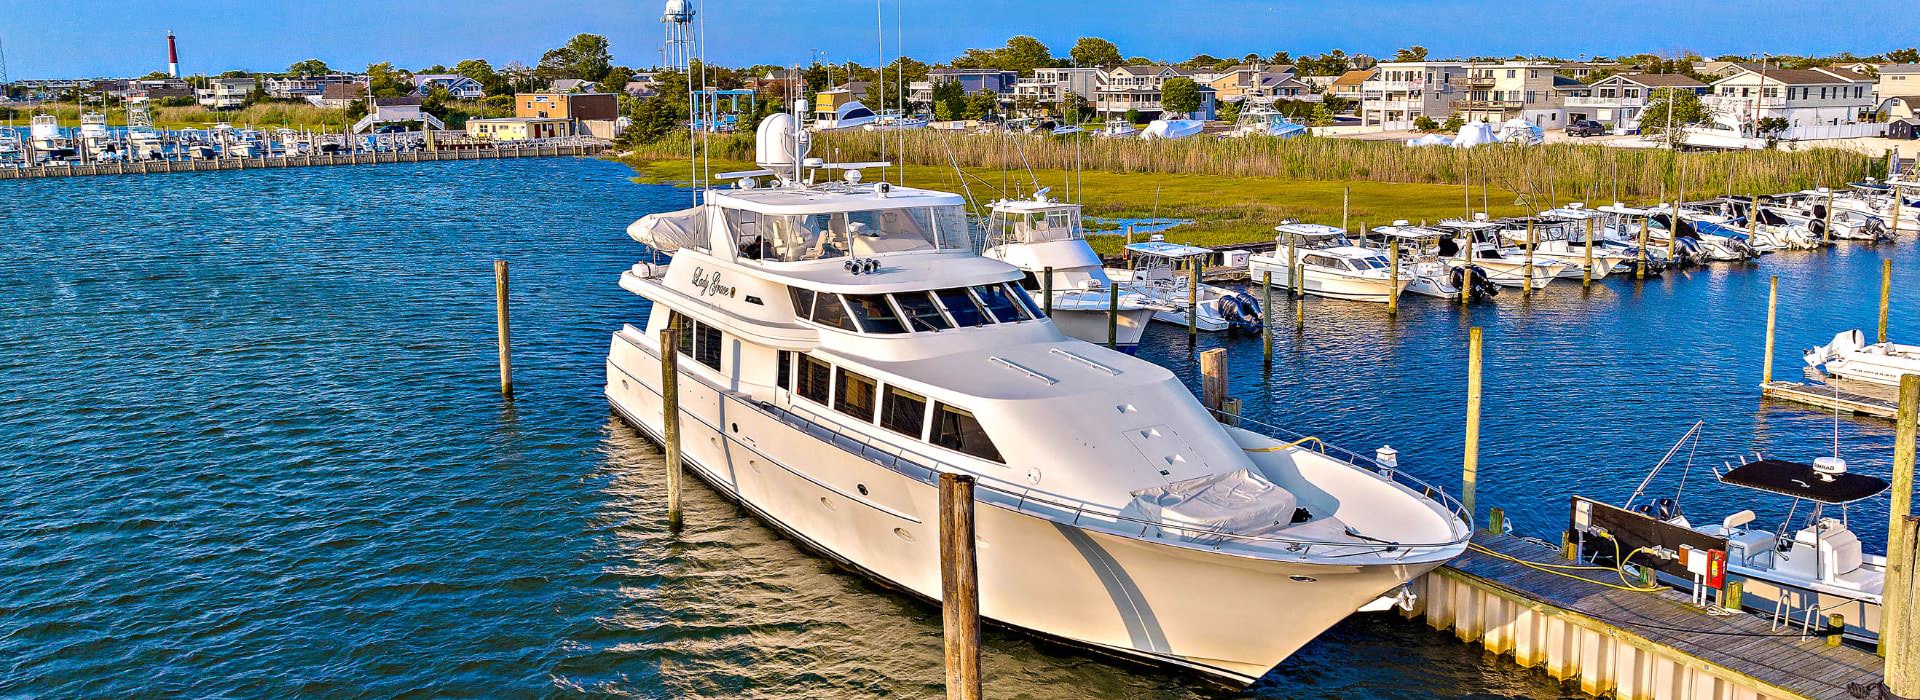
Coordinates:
[1826,227]
[1046,291]
[500,322]
[1886,295]
[670,417]
[1586,276]
[1773,302]
[1193,299]
[1213,378]
[1471,463]
[1113,316]
[1345,193]
[1641,272]
[1527,291]
[959,587]
[1266,313]
[1899,616]
[1896,213]
[1393,277]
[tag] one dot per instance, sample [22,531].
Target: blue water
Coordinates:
[252,446]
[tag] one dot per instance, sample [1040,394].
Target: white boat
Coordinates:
[1330,265]
[1478,243]
[1564,240]
[1172,129]
[1162,272]
[1849,356]
[843,347]
[1713,235]
[851,115]
[1037,234]
[1804,215]
[1721,135]
[93,133]
[1623,227]
[43,134]
[1426,271]
[1117,128]
[1263,120]
[1774,223]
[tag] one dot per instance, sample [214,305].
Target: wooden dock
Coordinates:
[1629,644]
[146,167]
[1853,397]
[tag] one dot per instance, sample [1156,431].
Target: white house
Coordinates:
[225,93]
[1497,92]
[1133,87]
[1618,100]
[1048,85]
[1813,102]
[460,86]
[298,87]
[1399,92]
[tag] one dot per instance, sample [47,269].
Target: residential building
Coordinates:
[1861,67]
[225,93]
[1497,92]
[1582,70]
[1895,109]
[305,87]
[582,106]
[1897,80]
[570,85]
[1350,85]
[1618,100]
[1805,98]
[1399,92]
[460,86]
[639,90]
[519,128]
[971,80]
[404,111]
[144,90]
[1048,86]
[1261,84]
[1133,88]
[339,95]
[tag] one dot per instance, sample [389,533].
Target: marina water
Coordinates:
[253,446]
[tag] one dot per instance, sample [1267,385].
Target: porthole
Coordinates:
[1302,579]
[736,427]
[863,489]
[903,534]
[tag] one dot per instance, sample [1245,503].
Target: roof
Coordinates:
[1801,481]
[1900,69]
[1309,230]
[1355,77]
[1662,80]
[1847,73]
[396,101]
[1794,77]
[1168,250]
[1561,82]
[1143,70]
[343,91]
[515,120]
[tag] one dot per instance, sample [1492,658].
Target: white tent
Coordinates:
[1475,134]
[1521,131]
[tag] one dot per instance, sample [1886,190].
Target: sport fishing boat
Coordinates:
[1805,214]
[93,135]
[1330,265]
[1039,235]
[844,346]
[1875,198]
[1850,357]
[1426,271]
[46,140]
[1563,240]
[1779,224]
[1706,232]
[1163,273]
[1478,243]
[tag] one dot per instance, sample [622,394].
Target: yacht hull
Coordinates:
[1326,284]
[1230,617]
[1091,326]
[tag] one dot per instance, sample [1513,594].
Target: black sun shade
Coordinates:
[1801,481]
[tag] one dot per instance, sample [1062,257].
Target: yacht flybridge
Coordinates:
[1039,236]
[845,346]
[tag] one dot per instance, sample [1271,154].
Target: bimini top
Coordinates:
[1802,481]
[1309,230]
[830,198]
[1168,250]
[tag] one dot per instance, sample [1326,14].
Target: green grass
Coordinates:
[1224,210]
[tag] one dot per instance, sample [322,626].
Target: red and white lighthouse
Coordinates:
[173,58]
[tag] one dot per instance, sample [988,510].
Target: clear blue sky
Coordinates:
[66,38]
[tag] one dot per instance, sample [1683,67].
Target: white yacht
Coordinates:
[44,136]
[1563,240]
[844,346]
[1169,129]
[1849,356]
[93,134]
[1330,265]
[1163,272]
[1117,128]
[1709,234]
[1263,120]
[1037,234]
[1478,243]
[1427,272]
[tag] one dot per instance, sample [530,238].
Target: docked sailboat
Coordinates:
[845,346]
[1041,237]
[1163,273]
[1849,356]
[1330,266]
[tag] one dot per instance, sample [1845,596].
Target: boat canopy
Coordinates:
[1803,481]
[1164,249]
[670,231]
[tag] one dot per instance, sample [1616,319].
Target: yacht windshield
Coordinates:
[1037,226]
[800,237]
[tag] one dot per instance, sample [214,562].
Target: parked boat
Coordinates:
[1117,128]
[1330,265]
[1426,270]
[1257,120]
[1478,242]
[1563,240]
[1162,272]
[843,347]
[1172,129]
[1039,235]
[1849,356]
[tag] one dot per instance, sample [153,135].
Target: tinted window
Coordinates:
[814,375]
[684,333]
[903,412]
[996,298]
[785,375]
[854,395]
[922,313]
[827,311]
[875,314]
[706,346]
[955,429]
[802,301]
[1026,300]
[961,306]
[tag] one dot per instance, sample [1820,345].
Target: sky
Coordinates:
[94,38]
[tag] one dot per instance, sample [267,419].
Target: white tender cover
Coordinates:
[670,231]
[1239,502]
[1172,128]
[1517,130]
[1475,134]
[1431,140]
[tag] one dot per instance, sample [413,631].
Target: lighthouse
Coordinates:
[173,58]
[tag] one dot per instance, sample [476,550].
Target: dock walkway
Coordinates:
[1853,397]
[144,167]
[1630,644]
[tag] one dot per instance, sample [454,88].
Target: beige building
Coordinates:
[1497,92]
[1399,92]
[1618,100]
[519,128]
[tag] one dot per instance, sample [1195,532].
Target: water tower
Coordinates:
[679,21]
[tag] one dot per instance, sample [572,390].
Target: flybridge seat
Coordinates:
[1233,503]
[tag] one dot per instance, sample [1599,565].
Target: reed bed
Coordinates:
[1545,174]
[263,115]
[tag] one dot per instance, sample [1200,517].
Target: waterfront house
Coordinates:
[339,95]
[570,85]
[1896,80]
[305,87]
[460,86]
[404,111]
[1497,92]
[971,80]
[826,103]
[1351,85]
[519,128]
[1133,88]
[1048,86]
[1585,70]
[639,90]
[145,90]
[593,113]
[1617,100]
[1399,92]
[1816,103]
[1895,109]
[1261,84]
[225,93]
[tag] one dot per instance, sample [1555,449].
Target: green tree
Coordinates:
[1180,95]
[356,109]
[1023,54]
[234,74]
[1425,123]
[386,81]
[1281,58]
[1681,108]
[308,68]
[1134,116]
[1095,51]
[480,71]
[949,101]
[1415,52]
[1320,116]
[616,79]
[652,121]
[156,75]
[1229,112]
[1453,124]
[436,101]
[1907,55]
[982,104]
[585,56]
[1076,106]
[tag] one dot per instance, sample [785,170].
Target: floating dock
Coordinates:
[1852,397]
[1629,644]
[144,167]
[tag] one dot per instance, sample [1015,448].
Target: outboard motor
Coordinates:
[1686,251]
[1472,281]
[1241,311]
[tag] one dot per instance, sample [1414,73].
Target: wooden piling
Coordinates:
[1836,623]
[1586,277]
[1528,289]
[1641,274]
[1266,313]
[1113,315]
[1886,295]
[1826,229]
[500,322]
[1046,291]
[670,416]
[1345,193]
[1899,618]
[1773,301]
[1213,378]
[1896,213]
[959,587]
[1193,298]
[1466,273]
[1393,276]
[1471,464]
